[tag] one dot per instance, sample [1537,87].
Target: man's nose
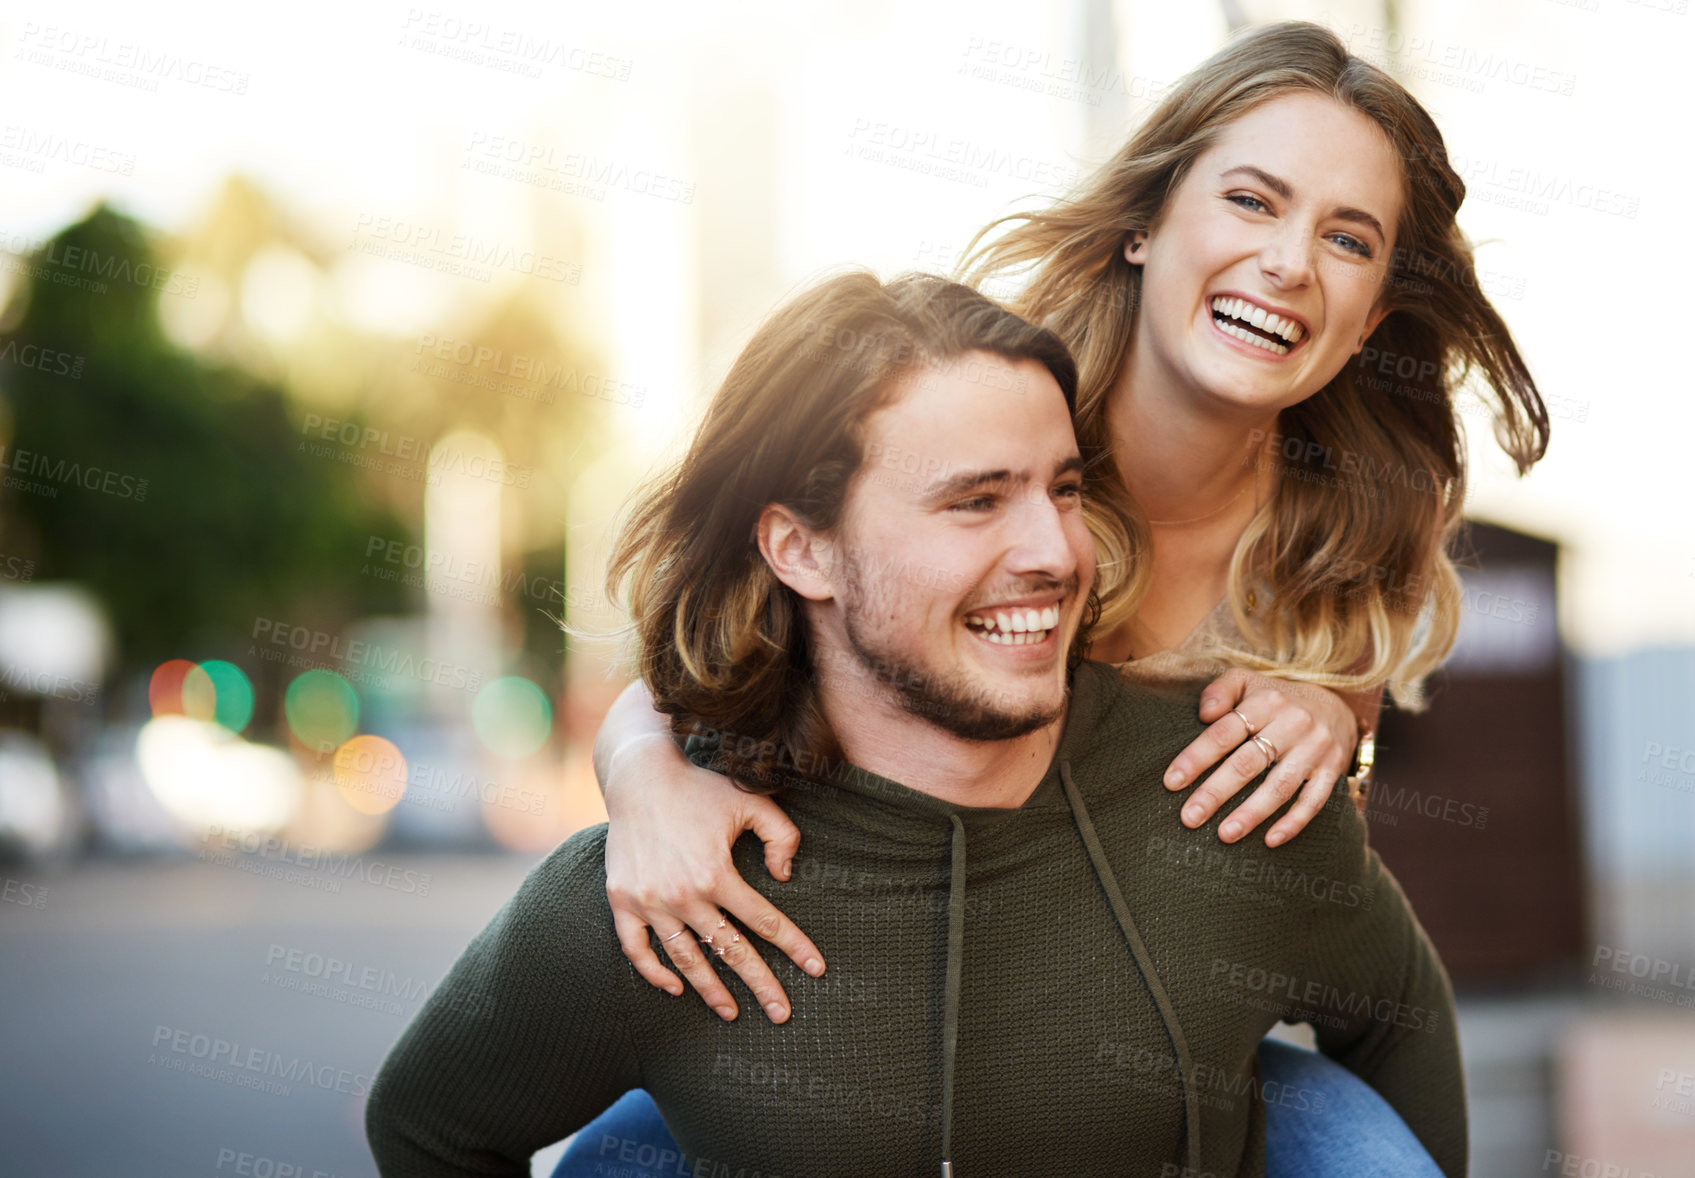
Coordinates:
[1045,544]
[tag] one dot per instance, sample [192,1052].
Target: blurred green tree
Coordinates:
[175,488]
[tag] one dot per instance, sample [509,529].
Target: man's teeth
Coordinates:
[1018,627]
[1240,309]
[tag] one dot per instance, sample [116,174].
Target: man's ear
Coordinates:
[1371,322]
[1136,247]
[800,558]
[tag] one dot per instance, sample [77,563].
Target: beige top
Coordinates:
[1187,661]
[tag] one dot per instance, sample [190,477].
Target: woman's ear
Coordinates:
[798,556]
[1371,322]
[1136,247]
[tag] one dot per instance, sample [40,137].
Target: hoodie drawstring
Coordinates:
[1121,910]
[1126,924]
[950,997]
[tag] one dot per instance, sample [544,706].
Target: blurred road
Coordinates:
[199,1018]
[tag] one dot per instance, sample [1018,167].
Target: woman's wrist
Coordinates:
[641,738]
[1367,707]
[1365,757]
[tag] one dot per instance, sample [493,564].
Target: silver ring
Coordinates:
[1269,749]
[678,933]
[1246,723]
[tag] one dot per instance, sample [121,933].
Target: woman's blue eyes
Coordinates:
[1347,242]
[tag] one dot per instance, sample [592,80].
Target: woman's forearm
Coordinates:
[1366,705]
[631,721]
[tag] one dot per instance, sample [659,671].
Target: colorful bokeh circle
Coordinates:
[370,772]
[322,709]
[215,691]
[512,717]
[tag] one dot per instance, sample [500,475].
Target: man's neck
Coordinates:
[880,736]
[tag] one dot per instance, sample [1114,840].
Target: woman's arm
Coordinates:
[1313,731]
[671,827]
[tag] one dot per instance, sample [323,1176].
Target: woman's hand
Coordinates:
[1312,729]
[668,868]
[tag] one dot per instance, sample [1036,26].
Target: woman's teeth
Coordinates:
[1240,318]
[1015,627]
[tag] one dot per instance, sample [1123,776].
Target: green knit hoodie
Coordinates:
[1074,987]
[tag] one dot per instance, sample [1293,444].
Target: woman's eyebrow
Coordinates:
[1276,183]
[1281,187]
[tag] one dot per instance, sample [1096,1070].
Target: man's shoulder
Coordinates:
[1158,694]
[570,881]
[1133,730]
[1114,719]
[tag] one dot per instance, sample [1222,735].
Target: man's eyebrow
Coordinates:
[965,481]
[971,480]
[1281,187]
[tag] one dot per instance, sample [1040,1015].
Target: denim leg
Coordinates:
[1322,1121]
[628,1140]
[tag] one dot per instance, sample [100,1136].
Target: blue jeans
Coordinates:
[1321,1121]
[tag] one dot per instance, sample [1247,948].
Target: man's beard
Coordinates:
[952,704]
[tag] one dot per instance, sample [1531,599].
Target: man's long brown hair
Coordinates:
[722,643]
[1363,590]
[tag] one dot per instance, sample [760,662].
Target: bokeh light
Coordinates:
[204,776]
[322,709]
[218,692]
[232,693]
[512,716]
[32,798]
[165,687]
[215,691]
[370,772]
[199,694]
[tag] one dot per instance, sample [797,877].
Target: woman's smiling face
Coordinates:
[1264,271]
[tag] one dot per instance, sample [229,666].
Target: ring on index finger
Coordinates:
[1246,723]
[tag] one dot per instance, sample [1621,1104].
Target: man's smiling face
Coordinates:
[959,589]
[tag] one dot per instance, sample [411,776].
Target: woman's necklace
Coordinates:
[1135,628]
[1174,523]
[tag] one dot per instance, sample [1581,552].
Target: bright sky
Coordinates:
[372,111]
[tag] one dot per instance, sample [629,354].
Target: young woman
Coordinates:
[1219,282]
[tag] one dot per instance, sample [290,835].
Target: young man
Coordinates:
[1035,968]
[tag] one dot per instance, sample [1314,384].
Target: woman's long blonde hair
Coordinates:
[1362,587]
